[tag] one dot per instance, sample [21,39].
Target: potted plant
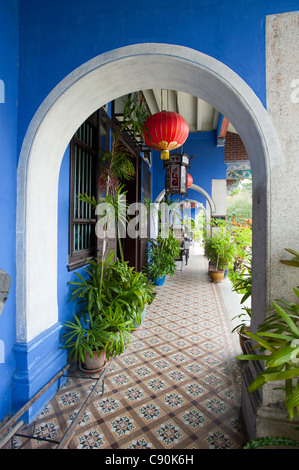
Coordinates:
[129,289]
[220,250]
[93,342]
[107,286]
[162,253]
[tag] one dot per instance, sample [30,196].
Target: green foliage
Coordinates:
[117,164]
[112,296]
[239,202]
[108,331]
[239,208]
[229,246]
[162,253]
[135,115]
[111,282]
[243,285]
[294,262]
[88,289]
[128,289]
[220,249]
[277,341]
[115,208]
[197,228]
[242,238]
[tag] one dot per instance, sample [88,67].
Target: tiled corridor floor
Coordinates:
[176,387]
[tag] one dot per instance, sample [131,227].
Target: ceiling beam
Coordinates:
[222,126]
[199,114]
[157,95]
[151,101]
[172,101]
[180,103]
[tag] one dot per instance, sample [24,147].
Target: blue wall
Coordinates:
[207,164]
[8,166]
[43,41]
[57,36]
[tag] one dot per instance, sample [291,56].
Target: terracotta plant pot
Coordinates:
[94,364]
[216,276]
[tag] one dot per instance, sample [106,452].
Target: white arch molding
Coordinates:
[197,188]
[98,81]
[174,207]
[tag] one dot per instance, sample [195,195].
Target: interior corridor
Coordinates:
[176,387]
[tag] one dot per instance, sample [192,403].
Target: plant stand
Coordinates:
[11,428]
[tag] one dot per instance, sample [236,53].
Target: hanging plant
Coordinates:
[117,163]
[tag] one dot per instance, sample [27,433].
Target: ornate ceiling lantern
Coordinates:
[176,174]
[165,131]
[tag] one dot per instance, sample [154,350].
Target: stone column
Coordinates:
[263,411]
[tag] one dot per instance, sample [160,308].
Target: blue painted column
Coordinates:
[37,362]
[9,54]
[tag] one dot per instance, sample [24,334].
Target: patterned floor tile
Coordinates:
[173,400]
[141,443]
[90,439]
[218,440]
[122,425]
[169,433]
[149,411]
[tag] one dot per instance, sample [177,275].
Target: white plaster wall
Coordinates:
[219,196]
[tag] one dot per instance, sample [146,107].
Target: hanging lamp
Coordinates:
[165,131]
[176,174]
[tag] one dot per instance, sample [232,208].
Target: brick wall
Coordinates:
[234,149]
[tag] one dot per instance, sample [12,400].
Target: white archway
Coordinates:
[98,81]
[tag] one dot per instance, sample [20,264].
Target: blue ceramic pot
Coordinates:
[159,281]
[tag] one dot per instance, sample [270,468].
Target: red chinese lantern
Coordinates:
[189,180]
[165,131]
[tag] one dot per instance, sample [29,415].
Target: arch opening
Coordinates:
[197,188]
[101,80]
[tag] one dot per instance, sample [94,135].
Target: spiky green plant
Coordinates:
[162,253]
[277,339]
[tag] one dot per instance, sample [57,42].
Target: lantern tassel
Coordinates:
[165,155]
